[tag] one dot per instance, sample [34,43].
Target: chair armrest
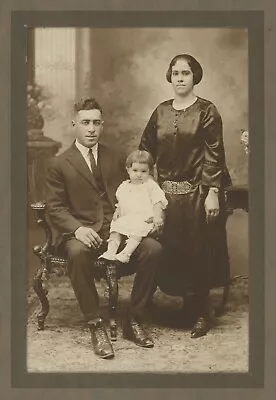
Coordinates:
[236,198]
[42,250]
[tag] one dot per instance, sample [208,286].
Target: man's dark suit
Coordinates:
[74,200]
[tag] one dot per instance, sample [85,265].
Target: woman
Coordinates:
[184,137]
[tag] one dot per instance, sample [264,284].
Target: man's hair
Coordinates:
[196,68]
[87,104]
[141,157]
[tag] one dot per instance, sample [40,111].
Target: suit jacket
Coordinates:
[72,196]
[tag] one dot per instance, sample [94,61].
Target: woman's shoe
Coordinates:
[200,328]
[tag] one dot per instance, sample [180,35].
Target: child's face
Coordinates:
[138,172]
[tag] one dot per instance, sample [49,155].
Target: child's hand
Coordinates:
[158,225]
[158,222]
[116,214]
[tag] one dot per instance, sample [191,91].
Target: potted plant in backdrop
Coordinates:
[39,108]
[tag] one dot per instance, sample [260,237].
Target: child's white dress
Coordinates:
[136,203]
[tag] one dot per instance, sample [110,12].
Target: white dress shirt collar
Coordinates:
[84,152]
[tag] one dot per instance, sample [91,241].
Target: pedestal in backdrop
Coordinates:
[40,149]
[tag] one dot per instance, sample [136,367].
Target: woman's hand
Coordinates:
[211,205]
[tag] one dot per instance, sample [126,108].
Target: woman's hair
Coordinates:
[141,157]
[193,64]
[87,104]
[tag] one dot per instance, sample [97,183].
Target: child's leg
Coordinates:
[113,245]
[131,245]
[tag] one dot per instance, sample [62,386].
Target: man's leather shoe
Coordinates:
[200,328]
[133,330]
[100,340]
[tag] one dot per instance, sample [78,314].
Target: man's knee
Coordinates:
[76,249]
[151,247]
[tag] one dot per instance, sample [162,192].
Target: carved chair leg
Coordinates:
[42,295]
[112,283]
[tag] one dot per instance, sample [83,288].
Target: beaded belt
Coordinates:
[173,187]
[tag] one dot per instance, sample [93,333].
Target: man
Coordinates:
[81,186]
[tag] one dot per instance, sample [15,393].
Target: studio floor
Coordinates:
[65,345]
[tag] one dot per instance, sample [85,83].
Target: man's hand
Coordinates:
[88,237]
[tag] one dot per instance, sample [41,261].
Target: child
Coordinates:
[139,207]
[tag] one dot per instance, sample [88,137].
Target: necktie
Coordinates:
[96,173]
[92,162]
[95,169]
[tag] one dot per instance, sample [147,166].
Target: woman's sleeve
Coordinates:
[149,137]
[214,154]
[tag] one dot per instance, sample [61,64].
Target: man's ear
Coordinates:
[73,122]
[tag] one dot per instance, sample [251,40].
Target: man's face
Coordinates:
[88,127]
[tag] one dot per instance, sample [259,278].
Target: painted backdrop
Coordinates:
[126,73]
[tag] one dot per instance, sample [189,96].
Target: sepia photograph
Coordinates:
[138,213]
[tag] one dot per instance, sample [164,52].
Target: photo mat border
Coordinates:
[254,22]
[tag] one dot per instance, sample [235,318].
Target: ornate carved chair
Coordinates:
[54,264]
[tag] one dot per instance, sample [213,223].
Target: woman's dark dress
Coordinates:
[187,145]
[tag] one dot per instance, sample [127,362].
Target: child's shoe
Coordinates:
[108,256]
[122,257]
